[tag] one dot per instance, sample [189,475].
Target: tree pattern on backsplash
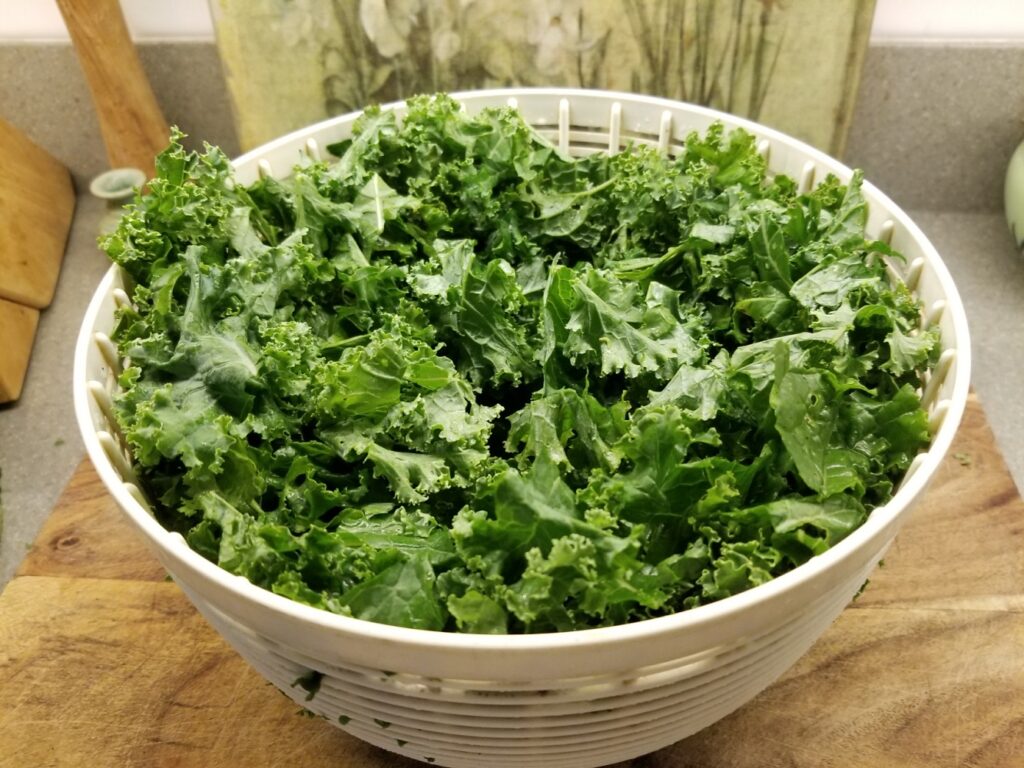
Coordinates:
[396,48]
[742,56]
[684,56]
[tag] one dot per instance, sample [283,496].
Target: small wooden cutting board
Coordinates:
[104,663]
[17,335]
[37,201]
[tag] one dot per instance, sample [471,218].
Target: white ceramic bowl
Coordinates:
[584,698]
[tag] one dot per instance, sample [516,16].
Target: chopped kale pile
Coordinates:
[457,380]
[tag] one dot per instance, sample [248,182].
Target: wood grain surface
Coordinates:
[133,126]
[103,663]
[88,537]
[37,201]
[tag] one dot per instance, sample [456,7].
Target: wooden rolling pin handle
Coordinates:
[133,126]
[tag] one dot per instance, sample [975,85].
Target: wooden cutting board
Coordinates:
[104,663]
[17,333]
[131,121]
[37,201]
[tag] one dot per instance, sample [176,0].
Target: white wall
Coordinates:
[147,19]
[947,20]
[895,20]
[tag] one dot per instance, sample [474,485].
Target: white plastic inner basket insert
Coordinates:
[584,698]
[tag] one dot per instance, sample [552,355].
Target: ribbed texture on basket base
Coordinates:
[580,723]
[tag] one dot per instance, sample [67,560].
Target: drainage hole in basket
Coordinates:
[310,683]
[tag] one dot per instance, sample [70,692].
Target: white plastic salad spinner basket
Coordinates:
[584,698]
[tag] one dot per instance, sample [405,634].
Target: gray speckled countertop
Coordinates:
[933,128]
